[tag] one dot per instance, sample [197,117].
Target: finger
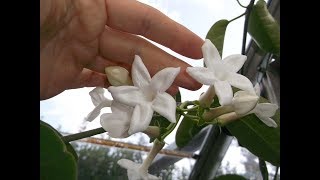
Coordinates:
[141,19]
[173,90]
[88,78]
[121,47]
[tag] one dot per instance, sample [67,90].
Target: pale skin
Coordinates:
[79,38]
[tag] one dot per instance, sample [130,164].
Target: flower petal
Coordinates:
[240,81]
[161,81]
[202,75]
[128,95]
[257,89]
[234,62]
[96,111]
[265,109]
[116,125]
[97,96]
[165,105]
[224,92]
[268,121]
[243,102]
[117,107]
[141,117]
[140,74]
[210,54]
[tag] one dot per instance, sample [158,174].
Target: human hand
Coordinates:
[79,38]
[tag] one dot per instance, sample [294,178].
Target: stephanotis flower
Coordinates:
[135,172]
[117,123]
[147,95]
[99,101]
[245,103]
[221,74]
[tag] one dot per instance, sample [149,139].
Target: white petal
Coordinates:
[96,111]
[141,118]
[97,96]
[206,98]
[243,102]
[234,62]
[140,75]
[115,124]
[128,95]
[240,81]
[266,109]
[268,121]
[224,92]
[117,107]
[202,75]
[165,105]
[210,53]
[257,89]
[161,81]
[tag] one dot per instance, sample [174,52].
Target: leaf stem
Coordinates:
[241,4]
[82,135]
[238,17]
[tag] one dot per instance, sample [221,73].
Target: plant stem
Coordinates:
[241,4]
[82,135]
[276,174]
[245,31]
[238,17]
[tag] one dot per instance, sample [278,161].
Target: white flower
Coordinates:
[245,103]
[117,123]
[99,100]
[134,171]
[147,95]
[222,74]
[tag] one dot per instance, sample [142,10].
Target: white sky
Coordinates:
[68,109]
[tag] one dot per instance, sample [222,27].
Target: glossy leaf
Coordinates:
[264,29]
[68,145]
[230,177]
[258,138]
[263,169]
[56,162]
[216,34]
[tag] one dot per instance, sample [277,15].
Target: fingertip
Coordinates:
[173,90]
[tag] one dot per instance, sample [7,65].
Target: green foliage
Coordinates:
[230,177]
[216,34]
[263,169]
[264,29]
[56,162]
[258,138]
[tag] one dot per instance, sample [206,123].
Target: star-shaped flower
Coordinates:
[134,171]
[117,123]
[245,103]
[222,74]
[99,101]
[147,95]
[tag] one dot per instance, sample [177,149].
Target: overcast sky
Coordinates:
[68,109]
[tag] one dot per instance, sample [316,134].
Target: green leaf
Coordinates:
[258,138]
[68,145]
[230,177]
[264,29]
[216,34]
[178,97]
[56,162]
[263,169]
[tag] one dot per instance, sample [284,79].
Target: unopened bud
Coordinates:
[206,98]
[243,102]
[152,131]
[118,76]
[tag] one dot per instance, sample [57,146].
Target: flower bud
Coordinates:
[206,98]
[118,76]
[243,102]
